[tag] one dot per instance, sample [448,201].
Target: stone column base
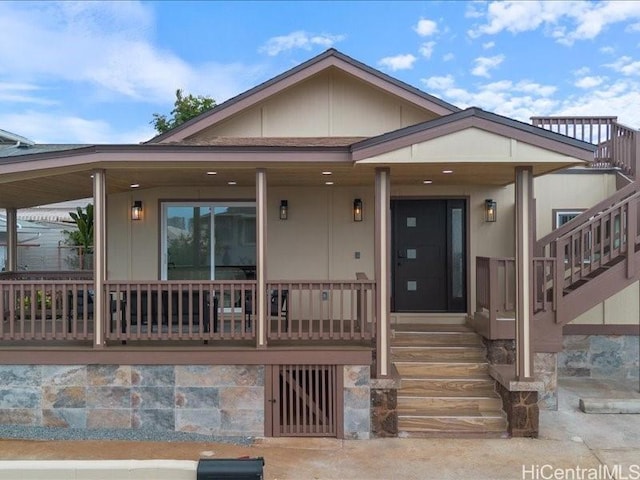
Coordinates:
[522,411]
[384,412]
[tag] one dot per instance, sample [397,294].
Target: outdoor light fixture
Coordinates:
[357,210]
[490,210]
[136,210]
[284,209]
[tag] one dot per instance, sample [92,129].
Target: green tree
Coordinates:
[82,236]
[184,108]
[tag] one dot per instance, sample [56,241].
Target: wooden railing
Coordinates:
[617,144]
[316,310]
[608,237]
[179,310]
[496,287]
[45,309]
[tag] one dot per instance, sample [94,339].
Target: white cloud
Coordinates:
[447,57]
[398,62]
[298,39]
[425,27]
[70,129]
[588,82]
[484,64]
[426,49]
[607,50]
[107,46]
[626,66]
[581,71]
[566,21]
[488,45]
[439,83]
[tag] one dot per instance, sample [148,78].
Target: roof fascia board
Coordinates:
[424,134]
[132,158]
[296,75]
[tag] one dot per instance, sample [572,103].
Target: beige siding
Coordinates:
[621,309]
[569,191]
[471,145]
[331,103]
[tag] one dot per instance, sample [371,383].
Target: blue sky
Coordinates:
[94,72]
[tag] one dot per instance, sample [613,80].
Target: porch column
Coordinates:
[524,271]
[99,254]
[261,258]
[382,270]
[12,240]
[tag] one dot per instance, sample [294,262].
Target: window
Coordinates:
[560,217]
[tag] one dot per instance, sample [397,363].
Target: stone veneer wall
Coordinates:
[503,352]
[209,400]
[357,402]
[522,411]
[599,356]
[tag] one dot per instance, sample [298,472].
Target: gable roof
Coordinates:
[327,59]
[469,118]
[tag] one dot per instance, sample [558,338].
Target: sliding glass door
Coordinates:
[208,241]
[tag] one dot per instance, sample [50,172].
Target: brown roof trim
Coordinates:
[478,118]
[329,58]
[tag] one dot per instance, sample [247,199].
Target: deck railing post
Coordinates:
[12,240]
[630,234]
[494,290]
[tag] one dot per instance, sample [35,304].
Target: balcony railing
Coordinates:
[617,144]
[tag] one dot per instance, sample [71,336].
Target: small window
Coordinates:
[560,217]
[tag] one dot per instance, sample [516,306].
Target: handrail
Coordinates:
[607,203]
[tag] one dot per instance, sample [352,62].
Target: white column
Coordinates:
[382,269]
[12,239]
[261,258]
[524,271]
[99,254]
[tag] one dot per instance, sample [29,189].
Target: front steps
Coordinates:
[446,389]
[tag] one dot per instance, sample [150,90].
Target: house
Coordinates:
[331,253]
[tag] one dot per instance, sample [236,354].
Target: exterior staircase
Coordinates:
[446,390]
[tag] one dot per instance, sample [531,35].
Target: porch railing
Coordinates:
[496,287]
[60,306]
[316,310]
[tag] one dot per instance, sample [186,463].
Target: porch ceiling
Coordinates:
[56,185]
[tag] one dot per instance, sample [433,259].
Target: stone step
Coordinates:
[442,370]
[435,339]
[452,425]
[457,387]
[438,354]
[449,406]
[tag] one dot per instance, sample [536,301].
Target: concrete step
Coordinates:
[442,370]
[435,339]
[438,354]
[449,406]
[449,387]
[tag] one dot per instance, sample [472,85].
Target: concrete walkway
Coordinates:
[569,439]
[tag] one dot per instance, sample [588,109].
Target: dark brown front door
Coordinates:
[429,255]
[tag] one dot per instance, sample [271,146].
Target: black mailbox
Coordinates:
[230,468]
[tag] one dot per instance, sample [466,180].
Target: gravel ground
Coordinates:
[17,432]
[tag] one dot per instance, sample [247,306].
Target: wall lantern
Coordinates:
[284,209]
[136,210]
[490,210]
[357,210]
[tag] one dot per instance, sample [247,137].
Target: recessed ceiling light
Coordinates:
[427,182]
[212,173]
[232,183]
[328,183]
[327,173]
[447,171]
[134,185]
